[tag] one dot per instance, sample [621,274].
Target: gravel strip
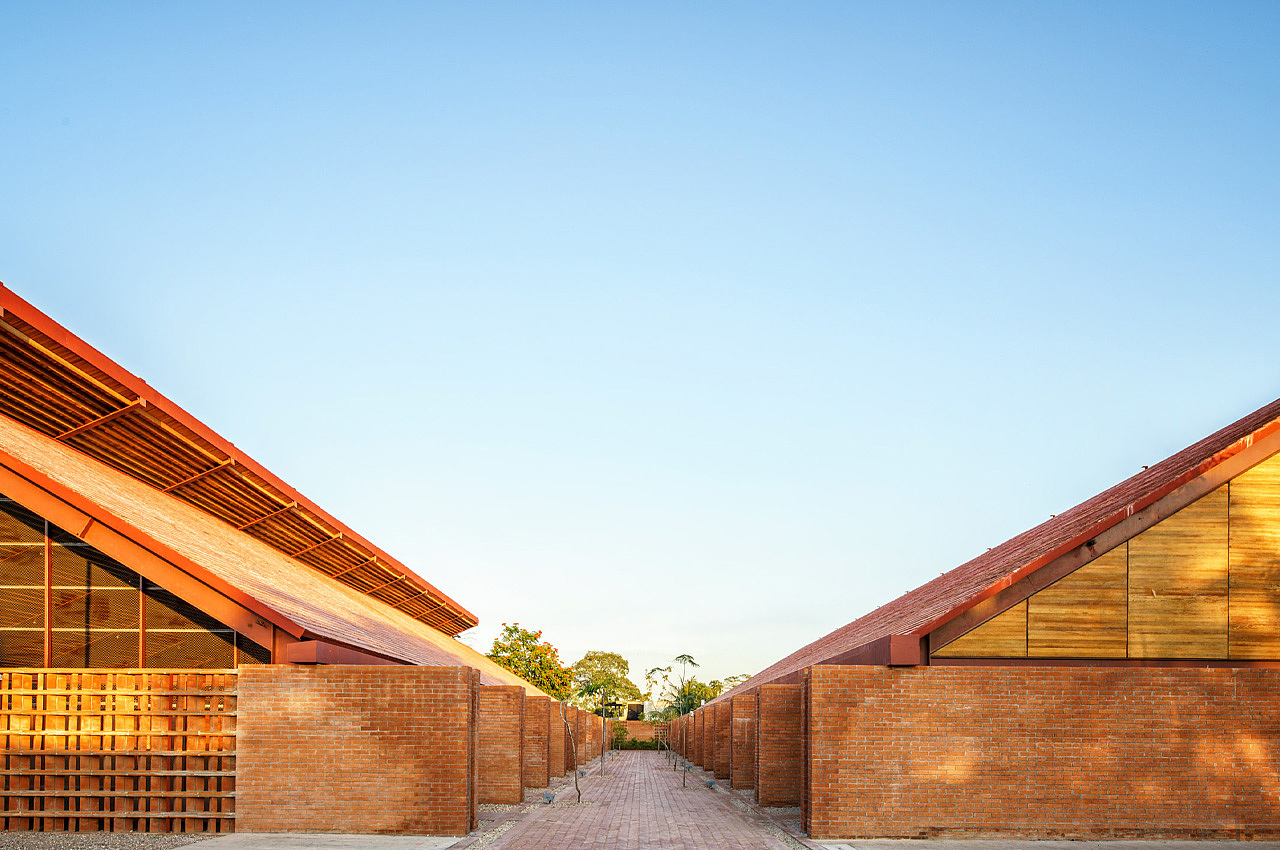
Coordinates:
[98,840]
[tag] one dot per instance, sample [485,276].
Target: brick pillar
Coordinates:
[699,745]
[555,741]
[721,738]
[580,734]
[501,743]
[537,727]
[742,764]
[778,745]
[406,735]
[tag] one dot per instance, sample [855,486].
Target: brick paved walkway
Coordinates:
[637,805]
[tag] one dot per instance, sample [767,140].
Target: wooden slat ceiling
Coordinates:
[51,388]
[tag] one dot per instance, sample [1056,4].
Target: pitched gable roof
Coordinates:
[936,602]
[56,383]
[296,597]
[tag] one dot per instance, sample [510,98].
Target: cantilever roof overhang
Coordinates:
[899,631]
[229,575]
[57,384]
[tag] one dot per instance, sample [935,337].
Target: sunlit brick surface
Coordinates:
[1043,752]
[501,744]
[778,732]
[356,749]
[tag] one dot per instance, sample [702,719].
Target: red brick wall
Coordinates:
[555,741]
[537,728]
[778,731]
[580,735]
[1041,752]
[721,738]
[638,730]
[356,749]
[699,737]
[742,763]
[501,739]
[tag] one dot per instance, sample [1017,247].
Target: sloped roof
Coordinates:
[316,603]
[924,609]
[56,383]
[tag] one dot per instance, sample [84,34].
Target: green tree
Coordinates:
[526,654]
[601,677]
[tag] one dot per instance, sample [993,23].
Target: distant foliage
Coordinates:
[602,676]
[526,654]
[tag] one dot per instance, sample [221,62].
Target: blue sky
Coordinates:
[663,328]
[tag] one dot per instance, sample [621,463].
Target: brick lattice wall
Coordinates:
[721,738]
[742,762]
[537,729]
[1043,752]
[501,744]
[778,733]
[356,749]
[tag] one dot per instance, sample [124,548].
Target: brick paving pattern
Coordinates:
[637,805]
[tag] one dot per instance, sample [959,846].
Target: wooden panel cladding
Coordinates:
[135,752]
[1003,636]
[1254,627]
[1083,614]
[1178,584]
[1202,584]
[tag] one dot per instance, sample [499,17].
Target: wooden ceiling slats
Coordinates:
[17,405]
[190,459]
[244,502]
[75,393]
[68,411]
[55,390]
[94,446]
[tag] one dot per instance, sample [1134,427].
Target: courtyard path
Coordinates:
[638,804]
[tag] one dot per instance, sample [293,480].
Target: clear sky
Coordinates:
[665,328]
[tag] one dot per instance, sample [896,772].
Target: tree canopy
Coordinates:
[524,653]
[606,672]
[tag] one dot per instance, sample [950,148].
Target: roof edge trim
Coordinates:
[1215,460]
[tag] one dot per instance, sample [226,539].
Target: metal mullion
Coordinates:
[48,597]
[142,626]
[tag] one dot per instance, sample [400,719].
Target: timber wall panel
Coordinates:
[1085,613]
[1043,752]
[742,766]
[1178,584]
[501,738]
[1003,636]
[536,747]
[357,749]
[1254,627]
[96,750]
[722,737]
[778,733]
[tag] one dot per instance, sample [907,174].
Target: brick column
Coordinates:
[742,764]
[535,772]
[357,749]
[721,733]
[778,745]
[501,744]
[555,741]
